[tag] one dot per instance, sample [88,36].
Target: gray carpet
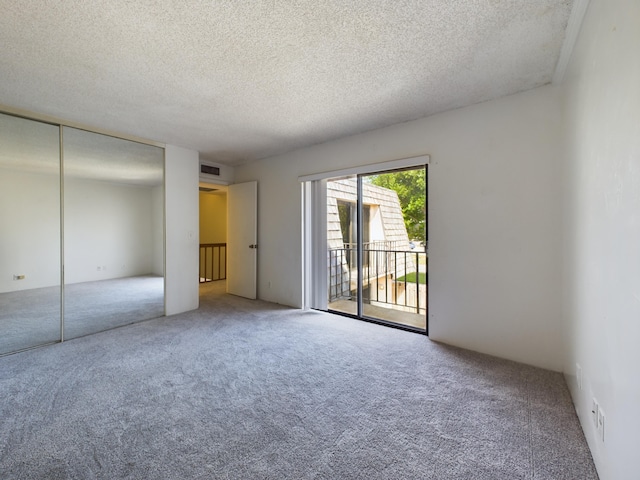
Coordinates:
[249,390]
[32,317]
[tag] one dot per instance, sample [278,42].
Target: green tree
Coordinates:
[411,189]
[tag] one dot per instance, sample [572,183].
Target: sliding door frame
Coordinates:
[314,195]
[359,249]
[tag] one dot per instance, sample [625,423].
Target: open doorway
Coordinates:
[228,238]
[213,234]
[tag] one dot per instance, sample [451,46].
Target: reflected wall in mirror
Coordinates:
[29,233]
[113,232]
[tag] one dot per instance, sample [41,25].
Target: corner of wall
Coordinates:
[601,228]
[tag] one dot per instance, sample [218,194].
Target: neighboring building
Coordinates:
[387,249]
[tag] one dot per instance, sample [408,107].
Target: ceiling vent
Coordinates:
[209,170]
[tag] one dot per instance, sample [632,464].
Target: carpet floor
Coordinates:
[32,317]
[243,389]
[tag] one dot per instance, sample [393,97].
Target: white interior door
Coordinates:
[242,239]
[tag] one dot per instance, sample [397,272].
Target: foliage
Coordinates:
[411,189]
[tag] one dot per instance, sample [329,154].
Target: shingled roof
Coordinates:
[395,232]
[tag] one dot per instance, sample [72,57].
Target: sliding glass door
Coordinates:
[342,244]
[377,247]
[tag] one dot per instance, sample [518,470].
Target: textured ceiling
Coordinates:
[242,80]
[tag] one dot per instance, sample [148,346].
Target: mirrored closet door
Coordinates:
[81,232]
[29,233]
[113,232]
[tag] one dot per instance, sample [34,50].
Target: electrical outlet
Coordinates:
[601,423]
[594,412]
[99,268]
[18,277]
[579,376]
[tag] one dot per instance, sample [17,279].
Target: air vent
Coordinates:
[209,170]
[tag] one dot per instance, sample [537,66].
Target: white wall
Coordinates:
[106,225]
[30,223]
[494,196]
[602,231]
[108,230]
[181,197]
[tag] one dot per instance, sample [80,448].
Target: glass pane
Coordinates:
[394,274]
[342,214]
[29,233]
[113,223]
[392,270]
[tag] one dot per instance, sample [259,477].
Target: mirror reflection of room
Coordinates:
[113,232]
[29,233]
[110,239]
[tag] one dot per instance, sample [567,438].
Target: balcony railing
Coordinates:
[392,278]
[213,262]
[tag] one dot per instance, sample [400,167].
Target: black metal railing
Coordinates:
[393,277]
[213,262]
[375,245]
